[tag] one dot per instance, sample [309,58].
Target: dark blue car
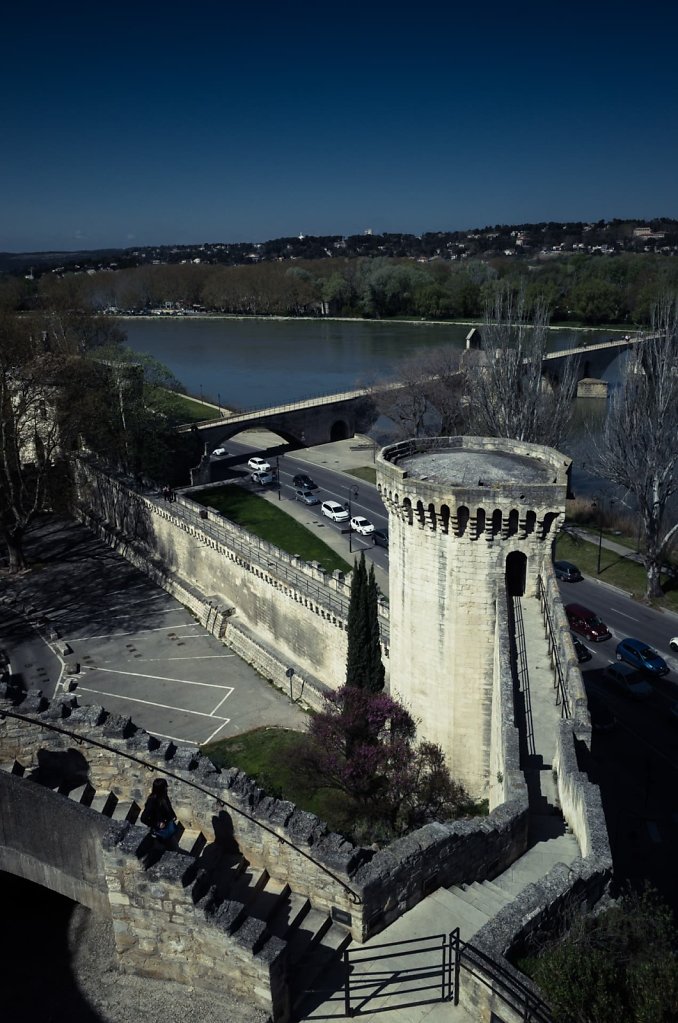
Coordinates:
[642,656]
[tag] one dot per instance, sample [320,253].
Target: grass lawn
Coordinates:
[271,523]
[614,569]
[190,410]
[364,472]
[270,756]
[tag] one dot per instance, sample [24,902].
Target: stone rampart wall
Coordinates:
[225,587]
[160,932]
[67,859]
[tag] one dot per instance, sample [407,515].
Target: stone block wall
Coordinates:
[160,932]
[303,630]
[507,781]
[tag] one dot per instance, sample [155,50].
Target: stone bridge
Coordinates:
[304,423]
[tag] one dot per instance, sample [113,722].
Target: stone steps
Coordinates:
[243,900]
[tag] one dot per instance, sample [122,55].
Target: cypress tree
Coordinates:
[358,655]
[375,673]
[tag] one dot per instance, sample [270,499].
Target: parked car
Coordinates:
[640,655]
[586,623]
[629,680]
[602,718]
[335,511]
[258,464]
[263,477]
[583,653]
[218,452]
[673,643]
[304,482]
[306,496]
[362,525]
[566,571]
[380,538]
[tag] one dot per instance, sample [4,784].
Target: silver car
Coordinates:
[305,496]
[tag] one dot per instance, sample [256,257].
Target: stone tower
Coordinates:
[466,515]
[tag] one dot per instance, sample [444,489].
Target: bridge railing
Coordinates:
[300,403]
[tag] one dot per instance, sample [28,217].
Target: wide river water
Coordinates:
[252,363]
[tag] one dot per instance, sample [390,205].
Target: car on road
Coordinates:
[304,482]
[219,452]
[335,511]
[583,653]
[673,643]
[263,478]
[640,655]
[380,538]
[629,680]
[306,496]
[602,718]
[587,623]
[257,464]
[362,525]
[566,571]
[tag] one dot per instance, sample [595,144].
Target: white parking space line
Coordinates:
[220,703]
[151,703]
[216,731]
[141,632]
[175,738]
[188,657]
[160,678]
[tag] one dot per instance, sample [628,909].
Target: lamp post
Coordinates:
[277,474]
[352,493]
[598,509]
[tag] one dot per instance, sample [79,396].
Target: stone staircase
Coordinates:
[244,901]
[472,905]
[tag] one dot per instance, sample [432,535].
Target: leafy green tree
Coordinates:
[619,965]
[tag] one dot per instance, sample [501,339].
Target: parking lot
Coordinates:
[141,654]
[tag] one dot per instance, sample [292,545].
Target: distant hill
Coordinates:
[501,240]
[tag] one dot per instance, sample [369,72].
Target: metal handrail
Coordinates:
[561,691]
[80,740]
[520,997]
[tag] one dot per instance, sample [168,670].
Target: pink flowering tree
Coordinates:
[363,746]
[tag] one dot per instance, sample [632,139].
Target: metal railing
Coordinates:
[505,985]
[559,678]
[523,672]
[147,765]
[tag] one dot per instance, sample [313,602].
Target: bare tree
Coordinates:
[638,449]
[426,399]
[507,393]
[29,432]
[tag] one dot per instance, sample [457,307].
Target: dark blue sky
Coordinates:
[139,123]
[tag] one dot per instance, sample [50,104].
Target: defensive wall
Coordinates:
[163,927]
[273,609]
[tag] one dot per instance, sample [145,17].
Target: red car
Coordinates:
[587,623]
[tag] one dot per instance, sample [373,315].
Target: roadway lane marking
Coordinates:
[622,613]
[161,678]
[139,632]
[150,703]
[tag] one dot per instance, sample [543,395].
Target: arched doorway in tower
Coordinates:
[516,574]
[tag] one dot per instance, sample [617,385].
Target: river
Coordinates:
[252,363]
